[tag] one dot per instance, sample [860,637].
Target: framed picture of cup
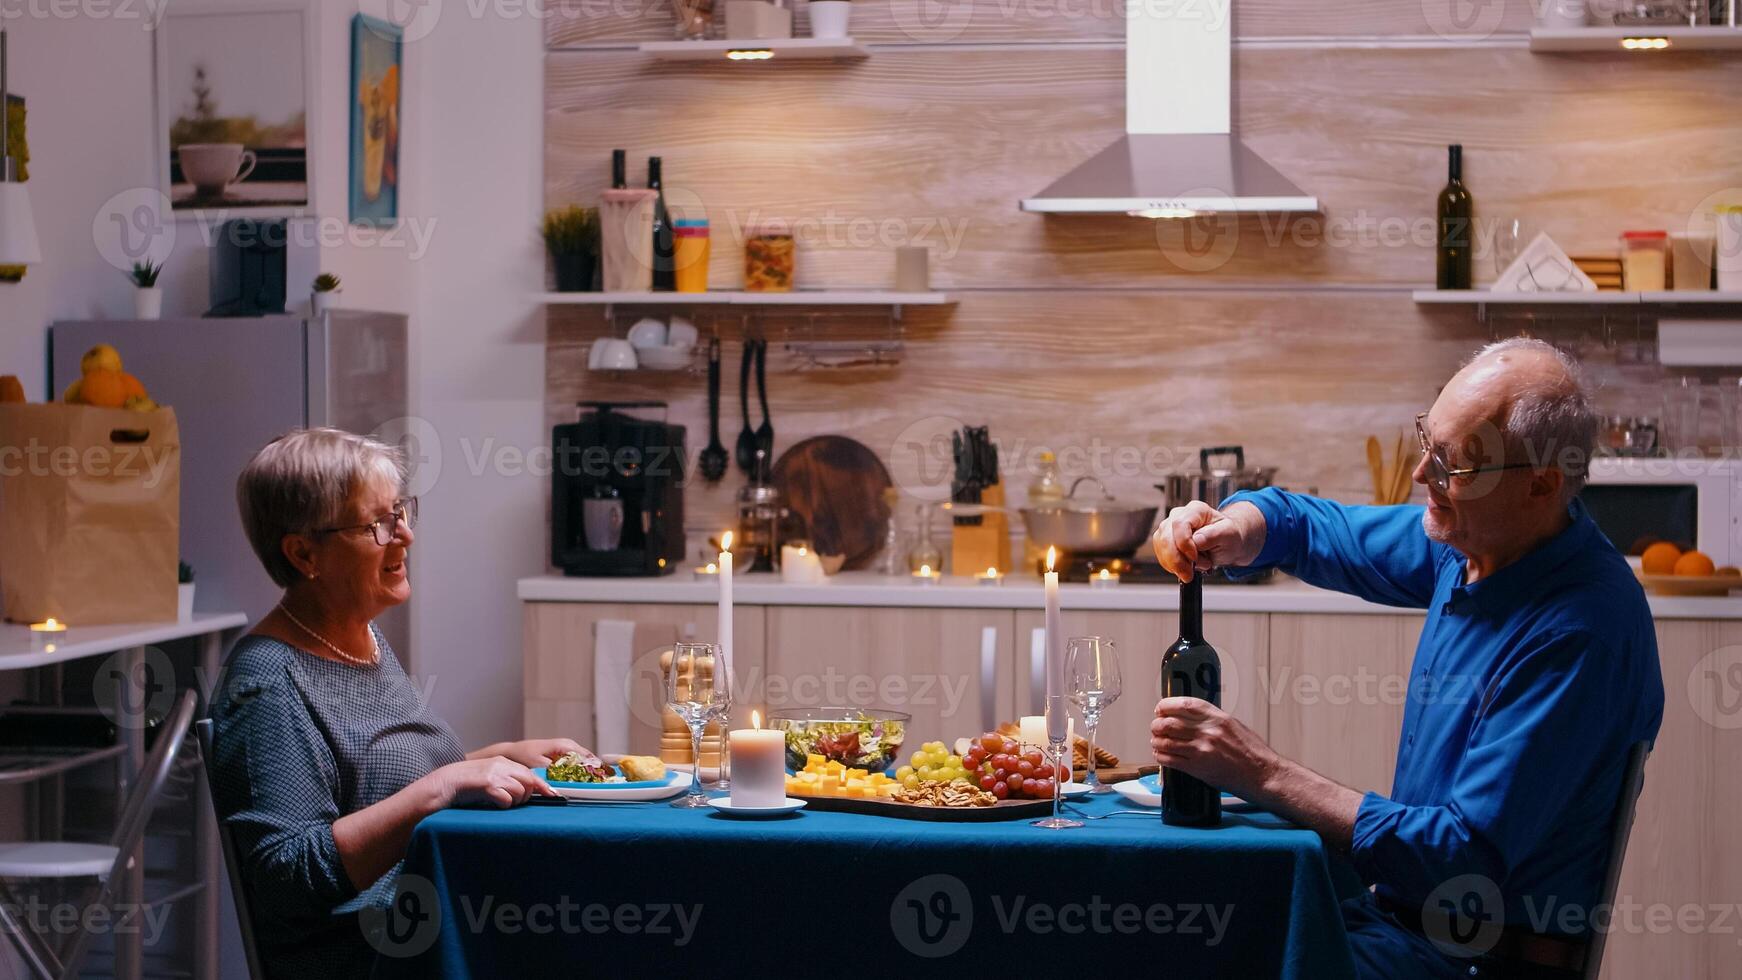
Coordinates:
[376,68]
[235,84]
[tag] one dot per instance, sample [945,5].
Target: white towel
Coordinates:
[613,655]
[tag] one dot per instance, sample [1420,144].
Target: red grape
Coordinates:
[1001,791]
[988,781]
[1026,768]
[973,759]
[1034,758]
[1011,747]
[1040,789]
[991,742]
[1015,782]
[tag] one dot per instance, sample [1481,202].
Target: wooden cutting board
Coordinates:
[1118,774]
[834,487]
[1002,810]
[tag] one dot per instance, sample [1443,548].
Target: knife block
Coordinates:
[973,549]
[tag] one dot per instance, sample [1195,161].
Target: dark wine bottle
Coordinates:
[1457,230]
[664,244]
[1191,669]
[619,170]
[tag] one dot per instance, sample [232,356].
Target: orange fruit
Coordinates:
[135,387]
[11,389]
[1693,563]
[1660,559]
[104,389]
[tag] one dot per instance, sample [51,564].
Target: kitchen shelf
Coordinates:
[783,49]
[1610,38]
[1484,297]
[815,297]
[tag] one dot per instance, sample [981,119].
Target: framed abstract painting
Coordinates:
[376,55]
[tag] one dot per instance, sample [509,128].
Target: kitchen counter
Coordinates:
[868,589]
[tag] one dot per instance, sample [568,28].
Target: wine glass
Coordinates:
[698,693]
[1092,666]
[1510,237]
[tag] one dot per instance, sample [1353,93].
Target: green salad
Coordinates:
[576,768]
[859,741]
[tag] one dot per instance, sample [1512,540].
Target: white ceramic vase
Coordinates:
[184,602]
[148,303]
[323,302]
[829,18]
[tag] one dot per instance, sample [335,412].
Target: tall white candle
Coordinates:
[1056,723]
[758,765]
[725,601]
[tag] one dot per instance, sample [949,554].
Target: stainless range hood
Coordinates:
[1179,157]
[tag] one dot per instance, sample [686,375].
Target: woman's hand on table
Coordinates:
[536,752]
[1197,737]
[494,781]
[1198,537]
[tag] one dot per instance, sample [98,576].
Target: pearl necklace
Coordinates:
[370,661]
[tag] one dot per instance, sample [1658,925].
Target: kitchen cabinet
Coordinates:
[1335,690]
[559,649]
[1240,638]
[952,669]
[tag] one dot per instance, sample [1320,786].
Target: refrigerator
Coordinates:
[235,385]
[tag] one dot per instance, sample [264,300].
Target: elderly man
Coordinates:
[1535,673]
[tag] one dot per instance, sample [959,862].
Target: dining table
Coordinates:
[618,888]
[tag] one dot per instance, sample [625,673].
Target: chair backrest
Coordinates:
[1632,783]
[136,810]
[244,914]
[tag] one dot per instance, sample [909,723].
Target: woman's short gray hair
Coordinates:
[300,481]
[1552,420]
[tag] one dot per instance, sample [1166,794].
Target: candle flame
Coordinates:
[726,541]
[991,571]
[925,569]
[801,551]
[1106,574]
[756,720]
[1051,557]
[52,622]
[713,569]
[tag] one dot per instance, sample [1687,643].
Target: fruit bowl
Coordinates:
[862,738]
[1689,584]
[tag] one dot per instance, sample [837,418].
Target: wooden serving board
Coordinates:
[1002,810]
[835,487]
[1117,774]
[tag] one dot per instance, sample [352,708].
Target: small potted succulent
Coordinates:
[326,287]
[184,592]
[147,297]
[571,235]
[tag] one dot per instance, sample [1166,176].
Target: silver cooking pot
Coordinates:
[1104,528]
[1213,484]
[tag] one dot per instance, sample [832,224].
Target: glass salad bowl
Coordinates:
[859,738]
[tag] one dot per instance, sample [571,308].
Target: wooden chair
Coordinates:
[1632,782]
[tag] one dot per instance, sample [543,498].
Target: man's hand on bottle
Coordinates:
[1198,537]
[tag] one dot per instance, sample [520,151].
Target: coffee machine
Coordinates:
[617,492]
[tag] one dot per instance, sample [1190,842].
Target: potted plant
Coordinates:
[184,592]
[326,286]
[571,235]
[147,297]
[829,17]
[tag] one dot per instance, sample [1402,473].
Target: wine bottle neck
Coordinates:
[1455,163]
[619,169]
[1191,609]
[653,172]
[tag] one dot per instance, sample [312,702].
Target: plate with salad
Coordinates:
[633,779]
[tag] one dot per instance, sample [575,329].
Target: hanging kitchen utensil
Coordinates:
[745,451]
[834,486]
[713,461]
[765,434]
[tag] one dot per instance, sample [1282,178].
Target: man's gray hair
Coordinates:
[300,482]
[1552,420]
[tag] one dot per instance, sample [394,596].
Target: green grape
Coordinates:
[911,781]
[953,761]
[904,772]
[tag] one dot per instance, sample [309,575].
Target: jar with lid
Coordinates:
[761,522]
[1047,487]
[1643,260]
[769,260]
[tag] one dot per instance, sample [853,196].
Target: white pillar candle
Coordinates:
[800,565]
[1031,731]
[758,765]
[1057,719]
[725,573]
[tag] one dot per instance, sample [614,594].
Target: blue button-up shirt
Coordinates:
[1527,690]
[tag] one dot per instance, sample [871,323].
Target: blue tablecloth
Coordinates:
[646,889]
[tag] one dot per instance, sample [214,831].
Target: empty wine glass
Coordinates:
[1510,237]
[698,694]
[1092,665]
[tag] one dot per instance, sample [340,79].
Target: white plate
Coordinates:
[724,805]
[1143,794]
[603,793]
[1073,789]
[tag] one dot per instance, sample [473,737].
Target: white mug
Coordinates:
[829,18]
[612,354]
[211,167]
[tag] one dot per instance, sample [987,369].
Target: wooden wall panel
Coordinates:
[937,148]
[578,22]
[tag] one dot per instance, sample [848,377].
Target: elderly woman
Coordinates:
[325,756]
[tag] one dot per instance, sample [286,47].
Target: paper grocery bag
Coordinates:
[90,514]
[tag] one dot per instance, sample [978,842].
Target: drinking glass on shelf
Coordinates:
[1092,665]
[1509,239]
[1681,410]
[698,694]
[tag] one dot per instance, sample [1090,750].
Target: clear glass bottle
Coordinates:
[925,552]
[891,560]
[1047,487]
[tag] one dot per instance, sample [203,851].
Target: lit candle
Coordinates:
[991,576]
[709,570]
[926,576]
[1056,715]
[725,617]
[1106,578]
[44,635]
[800,565]
[758,765]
